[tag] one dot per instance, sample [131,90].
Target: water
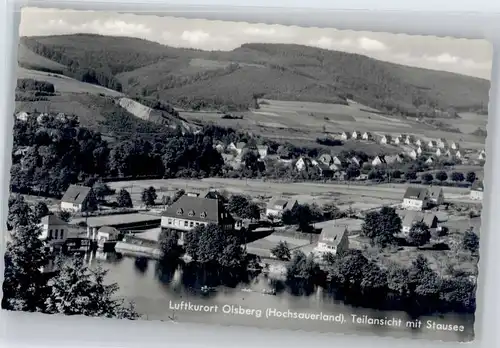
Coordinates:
[155,293]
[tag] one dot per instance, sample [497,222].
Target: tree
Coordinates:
[178,194]
[457,176]
[124,200]
[348,270]
[471,177]
[302,266]
[427,177]
[381,226]
[24,287]
[20,213]
[281,251]
[419,234]
[79,290]
[40,210]
[441,176]
[352,172]
[64,215]
[101,190]
[396,174]
[470,241]
[192,240]
[149,196]
[169,244]
[252,212]
[238,205]
[410,175]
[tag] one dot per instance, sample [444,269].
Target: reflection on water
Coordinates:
[153,287]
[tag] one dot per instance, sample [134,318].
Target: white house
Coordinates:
[393,159]
[436,195]
[408,139]
[355,135]
[419,142]
[429,160]
[476,191]
[355,160]
[413,217]
[442,143]
[454,145]
[386,139]
[398,140]
[379,160]
[413,154]
[345,136]
[367,136]
[432,144]
[78,198]
[303,163]
[415,198]
[262,149]
[278,205]
[54,230]
[457,154]
[334,240]
[481,156]
[325,159]
[419,151]
[107,234]
[438,152]
[337,161]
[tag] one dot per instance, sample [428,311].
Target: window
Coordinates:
[62,234]
[203,215]
[180,211]
[56,233]
[169,221]
[191,224]
[197,224]
[191,213]
[50,234]
[185,224]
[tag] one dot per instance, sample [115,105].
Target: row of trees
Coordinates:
[75,289]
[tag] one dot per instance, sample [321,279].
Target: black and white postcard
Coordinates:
[246,174]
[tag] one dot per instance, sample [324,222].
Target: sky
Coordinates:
[468,57]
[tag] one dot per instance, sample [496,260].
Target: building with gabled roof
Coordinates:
[277,205]
[413,217]
[333,239]
[54,230]
[477,190]
[415,198]
[78,198]
[436,195]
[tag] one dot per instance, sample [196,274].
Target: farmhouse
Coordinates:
[334,240]
[278,205]
[436,195]
[367,136]
[442,143]
[345,136]
[413,217]
[476,191]
[303,163]
[262,149]
[415,198]
[325,159]
[386,139]
[190,212]
[432,144]
[54,230]
[379,160]
[78,198]
[355,135]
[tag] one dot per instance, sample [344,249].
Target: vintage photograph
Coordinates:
[228,173]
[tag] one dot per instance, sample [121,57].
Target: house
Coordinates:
[303,163]
[413,217]
[324,170]
[378,160]
[429,160]
[438,152]
[481,156]
[419,150]
[419,142]
[238,147]
[454,145]
[325,159]
[22,116]
[278,205]
[442,143]
[386,139]
[447,153]
[413,154]
[333,239]
[355,135]
[409,139]
[457,154]
[432,144]
[337,161]
[367,136]
[436,195]
[54,230]
[190,212]
[262,149]
[335,167]
[107,234]
[78,198]
[393,159]
[213,194]
[415,198]
[345,136]
[398,140]
[355,160]
[476,190]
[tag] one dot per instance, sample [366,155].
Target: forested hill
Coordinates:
[200,79]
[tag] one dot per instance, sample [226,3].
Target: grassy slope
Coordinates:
[305,73]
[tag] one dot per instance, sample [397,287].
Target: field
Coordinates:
[30,60]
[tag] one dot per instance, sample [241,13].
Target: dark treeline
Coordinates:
[35,85]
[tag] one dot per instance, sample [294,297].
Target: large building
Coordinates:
[78,198]
[278,205]
[54,229]
[190,212]
[413,217]
[334,240]
[436,195]
[415,198]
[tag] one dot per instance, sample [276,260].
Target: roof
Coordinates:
[198,209]
[326,157]
[332,235]
[477,186]
[262,147]
[412,217]
[116,220]
[108,229]
[433,142]
[52,220]
[241,145]
[76,194]
[281,203]
[415,193]
[435,191]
